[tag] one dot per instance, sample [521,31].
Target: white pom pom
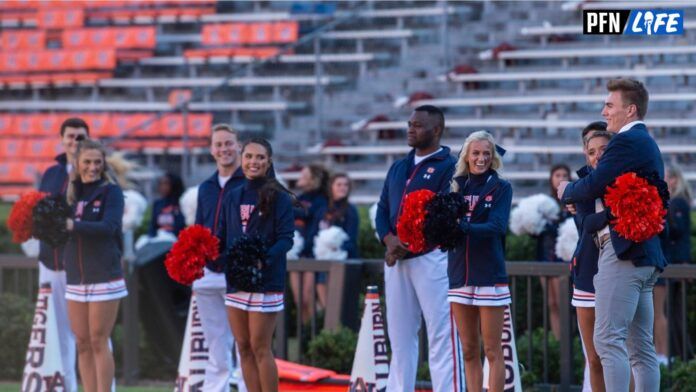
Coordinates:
[188,202]
[134,209]
[533,213]
[297,245]
[373,219]
[162,236]
[567,240]
[329,242]
[30,247]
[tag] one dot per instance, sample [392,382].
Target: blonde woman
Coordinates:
[95,281]
[478,283]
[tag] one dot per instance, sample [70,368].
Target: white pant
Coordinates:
[68,349]
[413,287]
[210,293]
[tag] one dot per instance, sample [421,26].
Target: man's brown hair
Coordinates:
[632,93]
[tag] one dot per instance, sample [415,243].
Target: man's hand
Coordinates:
[571,208]
[395,249]
[561,189]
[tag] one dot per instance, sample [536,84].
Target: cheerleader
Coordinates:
[263,208]
[584,266]
[313,183]
[339,212]
[166,213]
[476,269]
[95,281]
[51,266]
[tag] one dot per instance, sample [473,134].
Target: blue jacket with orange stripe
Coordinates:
[209,207]
[55,182]
[433,173]
[480,259]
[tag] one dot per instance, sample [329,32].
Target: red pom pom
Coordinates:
[410,224]
[638,209]
[196,246]
[20,220]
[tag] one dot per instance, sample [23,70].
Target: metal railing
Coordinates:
[347,280]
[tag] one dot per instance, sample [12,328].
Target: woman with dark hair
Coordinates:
[95,281]
[339,212]
[546,246]
[166,213]
[261,208]
[313,184]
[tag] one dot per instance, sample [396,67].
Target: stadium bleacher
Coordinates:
[313,77]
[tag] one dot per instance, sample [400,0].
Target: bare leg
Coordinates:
[554,311]
[102,317]
[78,313]
[586,319]
[467,320]
[659,297]
[492,331]
[261,327]
[239,323]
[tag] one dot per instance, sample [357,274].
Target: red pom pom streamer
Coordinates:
[20,219]
[637,207]
[185,261]
[409,227]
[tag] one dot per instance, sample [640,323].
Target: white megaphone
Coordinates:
[43,369]
[371,364]
[513,383]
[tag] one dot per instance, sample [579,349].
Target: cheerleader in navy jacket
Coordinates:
[476,269]
[313,183]
[339,212]
[166,213]
[93,264]
[261,207]
[584,266]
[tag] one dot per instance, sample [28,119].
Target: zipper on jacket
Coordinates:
[403,194]
[79,259]
[217,211]
[466,281]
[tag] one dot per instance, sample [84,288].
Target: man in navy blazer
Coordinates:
[627,270]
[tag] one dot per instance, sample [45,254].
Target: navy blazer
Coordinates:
[632,150]
[276,230]
[93,252]
[55,182]
[209,206]
[677,243]
[433,173]
[349,221]
[480,259]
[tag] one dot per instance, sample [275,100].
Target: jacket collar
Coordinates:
[440,155]
[491,184]
[62,159]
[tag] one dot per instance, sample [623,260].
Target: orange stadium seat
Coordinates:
[23,40]
[261,52]
[99,124]
[47,124]
[43,148]
[199,124]
[58,60]
[11,148]
[26,125]
[284,32]
[20,172]
[261,33]
[6,124]
[122,123]
[172,125]
[54,18]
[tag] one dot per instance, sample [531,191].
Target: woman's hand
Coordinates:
[69,224]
